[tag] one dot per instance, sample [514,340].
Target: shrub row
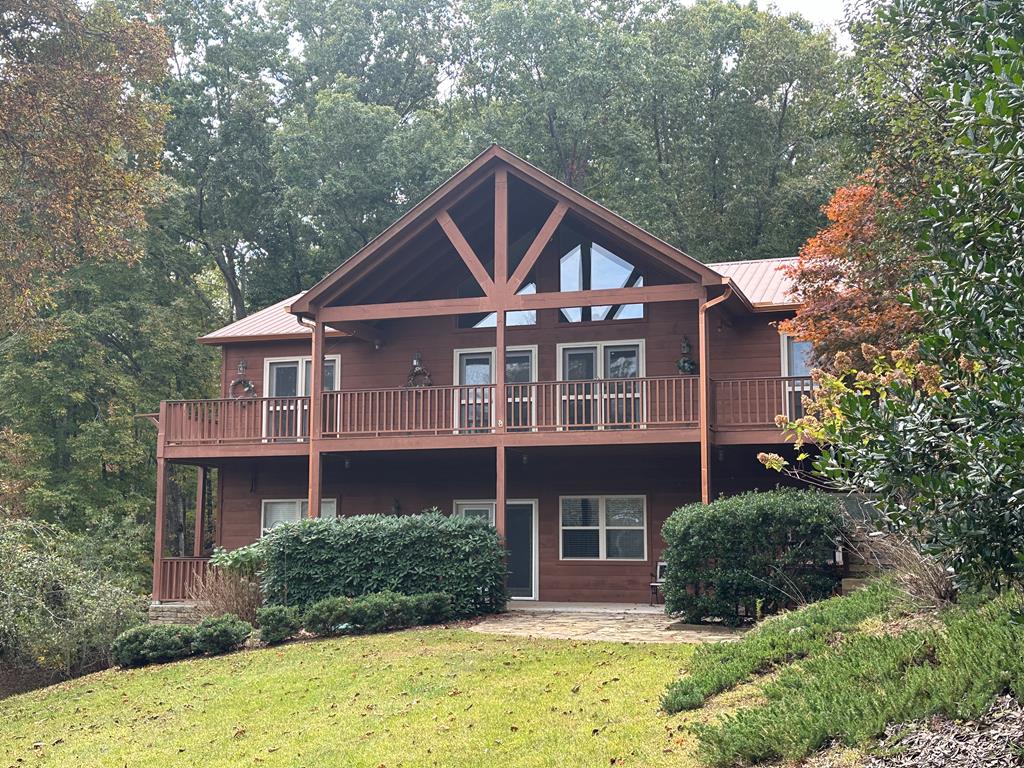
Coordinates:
[751,554]
[155,643]
[308,561]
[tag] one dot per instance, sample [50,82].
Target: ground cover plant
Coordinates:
[953,666]
[778,641]
[751,554]
[433,696]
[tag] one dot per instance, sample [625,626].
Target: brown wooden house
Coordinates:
[633,379]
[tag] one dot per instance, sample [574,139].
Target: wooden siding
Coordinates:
[376,483]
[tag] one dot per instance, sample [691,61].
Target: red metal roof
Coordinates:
[273,322]
[762,281]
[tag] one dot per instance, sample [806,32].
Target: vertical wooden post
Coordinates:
[161,502]
[705,405]
[501,293]
[704,357]
[197,542]
[316,398]
[500,495]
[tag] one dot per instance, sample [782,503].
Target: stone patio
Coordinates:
[595,621]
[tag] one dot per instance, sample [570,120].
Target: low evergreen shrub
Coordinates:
[220,634]
[756,553]
[277,623]
[330,616]
[433,608]
[310,560]
[383,611]
[129,648]
[168,642]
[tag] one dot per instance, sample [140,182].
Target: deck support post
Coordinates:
[316,399]
[501,293]
[197,541]
[704,385]
[161,503]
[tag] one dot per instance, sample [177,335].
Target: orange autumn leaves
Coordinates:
[853,275]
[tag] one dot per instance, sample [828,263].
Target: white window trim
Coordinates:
[535,503]
[456,354]
[602,528]
[301,361]
[641,344]
[298,508]
[493,352]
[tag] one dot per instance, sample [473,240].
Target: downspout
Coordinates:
[705,388]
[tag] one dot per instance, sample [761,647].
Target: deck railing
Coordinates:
[409,411]
[643,403]
[242,420]
[546,406]
[755,403]
[180,577]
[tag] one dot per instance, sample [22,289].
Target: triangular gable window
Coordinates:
[489,320]
[590,266]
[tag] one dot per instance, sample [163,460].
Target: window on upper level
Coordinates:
[490,319]
[590,266]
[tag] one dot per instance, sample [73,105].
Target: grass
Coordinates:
[418,698]
[775,642]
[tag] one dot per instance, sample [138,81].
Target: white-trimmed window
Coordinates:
[290,376]
[278,511]
[480,509]
[797,356]
[603,527]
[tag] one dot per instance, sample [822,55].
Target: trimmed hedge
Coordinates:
[156,643]
[152,644]
[751,554]
[220,634]
[378,612]
[277,623]
[310,560]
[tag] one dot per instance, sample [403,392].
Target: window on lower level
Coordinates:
[279,511]
[477,510]
[603,527]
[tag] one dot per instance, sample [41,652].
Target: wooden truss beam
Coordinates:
[466,252]
[648,294]
[537,246]
[364,331]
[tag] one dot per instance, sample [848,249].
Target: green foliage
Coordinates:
[433,608]
[220,634]
[244,561]
[129,648]
[376,612]
[776,641]
[936,434]
[167,642]
[57,615]
[329,616]
[277,623]
[755,551]
[851,691]
[410,554]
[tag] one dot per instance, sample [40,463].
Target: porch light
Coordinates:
[243,366]
[417,359]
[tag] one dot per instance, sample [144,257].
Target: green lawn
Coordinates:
[419,698]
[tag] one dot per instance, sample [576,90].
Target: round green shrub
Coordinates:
[313,559]
[221,634]
[751,554]
[330,616]
[383,611]
[433,608]
[277,623]
[168,642]
[129,648]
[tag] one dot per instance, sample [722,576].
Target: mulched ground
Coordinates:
[995,740]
